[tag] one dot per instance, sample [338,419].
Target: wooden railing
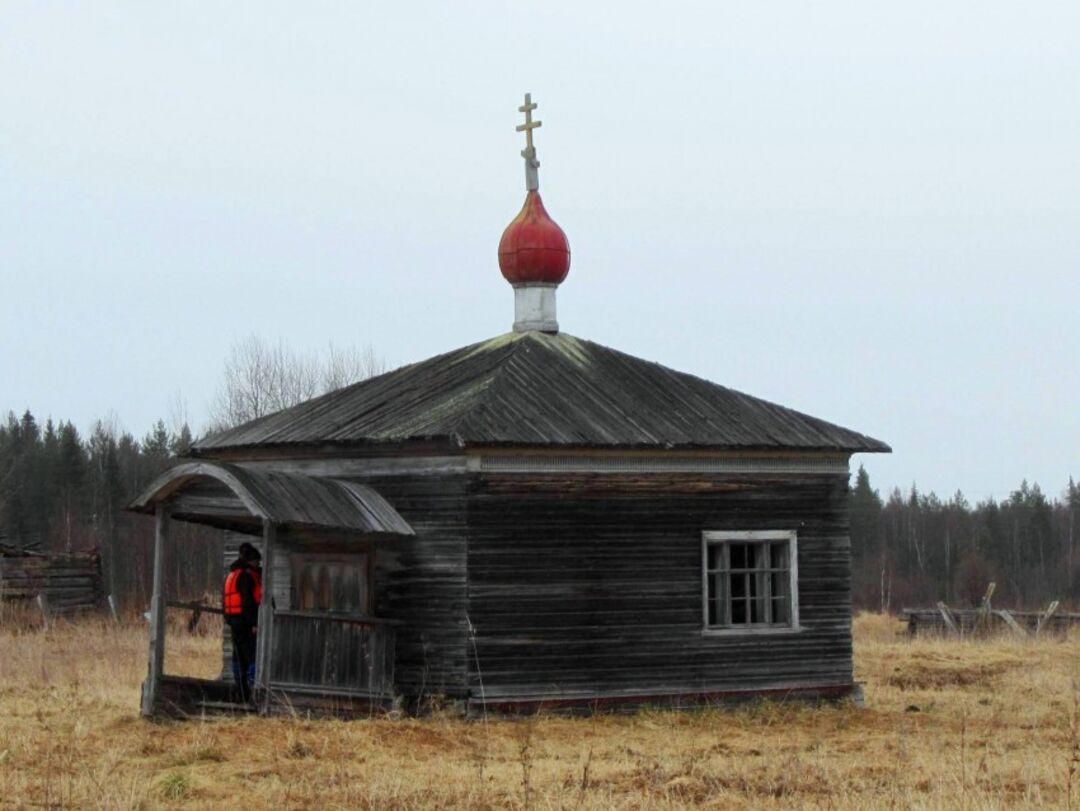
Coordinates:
[332,653]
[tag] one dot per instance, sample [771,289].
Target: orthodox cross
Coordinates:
[532,177]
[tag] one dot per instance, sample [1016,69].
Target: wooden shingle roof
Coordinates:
[536,389]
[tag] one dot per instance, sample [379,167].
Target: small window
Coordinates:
[750,580]
[331,583]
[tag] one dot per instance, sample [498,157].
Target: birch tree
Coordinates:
[261,377]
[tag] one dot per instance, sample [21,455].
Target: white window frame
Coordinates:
[714,537]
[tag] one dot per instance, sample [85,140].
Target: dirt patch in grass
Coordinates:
[947,672]
[919,676]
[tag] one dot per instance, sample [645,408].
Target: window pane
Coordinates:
[779,555]
[738,612]
[757,585]
[350,591]
[780,584]
[715,556]
[712,614]
[718,591]
[738,586]
[757,556]
[738,556]
[780,611]
[757,610]
[322,602]
[307,590]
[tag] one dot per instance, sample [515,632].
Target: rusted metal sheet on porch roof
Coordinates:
[541,390]
[289,499]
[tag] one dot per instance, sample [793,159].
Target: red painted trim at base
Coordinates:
[832,692]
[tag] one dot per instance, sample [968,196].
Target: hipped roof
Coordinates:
[536,389]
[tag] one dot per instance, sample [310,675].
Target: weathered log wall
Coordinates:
[420,582]
[589,586]
[521,588]
[69,583]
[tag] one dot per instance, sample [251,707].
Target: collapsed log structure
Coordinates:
[63,584]
[966,622]
[985,619]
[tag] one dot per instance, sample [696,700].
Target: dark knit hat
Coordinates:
[249,552]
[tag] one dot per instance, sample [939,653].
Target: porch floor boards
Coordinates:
[186,697]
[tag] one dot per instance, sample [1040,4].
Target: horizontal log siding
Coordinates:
[589,585]
[420,581]
[68,583]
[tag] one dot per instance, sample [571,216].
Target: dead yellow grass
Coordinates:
[978,725]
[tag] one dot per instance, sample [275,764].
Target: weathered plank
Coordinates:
[157,613]
[350,654]
[265,637]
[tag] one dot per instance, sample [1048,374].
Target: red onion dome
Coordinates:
[533,248]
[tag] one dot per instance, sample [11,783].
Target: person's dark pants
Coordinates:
[243,658]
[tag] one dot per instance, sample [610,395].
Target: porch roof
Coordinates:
[236,497]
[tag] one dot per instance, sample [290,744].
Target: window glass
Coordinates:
[748,582]
[780,611]
[739,588]
[738,612]
[759,597]
[328,583]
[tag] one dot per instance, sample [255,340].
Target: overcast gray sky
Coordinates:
[865,211]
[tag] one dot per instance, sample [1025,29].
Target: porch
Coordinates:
[318,646]
[329,663]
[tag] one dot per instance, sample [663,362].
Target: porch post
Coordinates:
[157,612]
[265,642]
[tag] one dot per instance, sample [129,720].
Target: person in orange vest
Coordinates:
[242,597]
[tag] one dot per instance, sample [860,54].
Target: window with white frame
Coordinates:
[750,580]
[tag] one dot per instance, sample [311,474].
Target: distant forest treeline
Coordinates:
[916,549]
[60,491]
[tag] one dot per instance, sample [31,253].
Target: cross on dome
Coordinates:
[532,177]
[534,255]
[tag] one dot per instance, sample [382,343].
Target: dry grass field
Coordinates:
[977,725]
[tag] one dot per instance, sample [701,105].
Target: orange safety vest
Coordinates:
[233,603]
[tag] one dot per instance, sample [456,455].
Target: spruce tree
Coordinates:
[71,475]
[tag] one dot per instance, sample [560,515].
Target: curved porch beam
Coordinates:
[285,498]
[174,479]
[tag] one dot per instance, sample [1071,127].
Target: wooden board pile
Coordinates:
[64,583]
